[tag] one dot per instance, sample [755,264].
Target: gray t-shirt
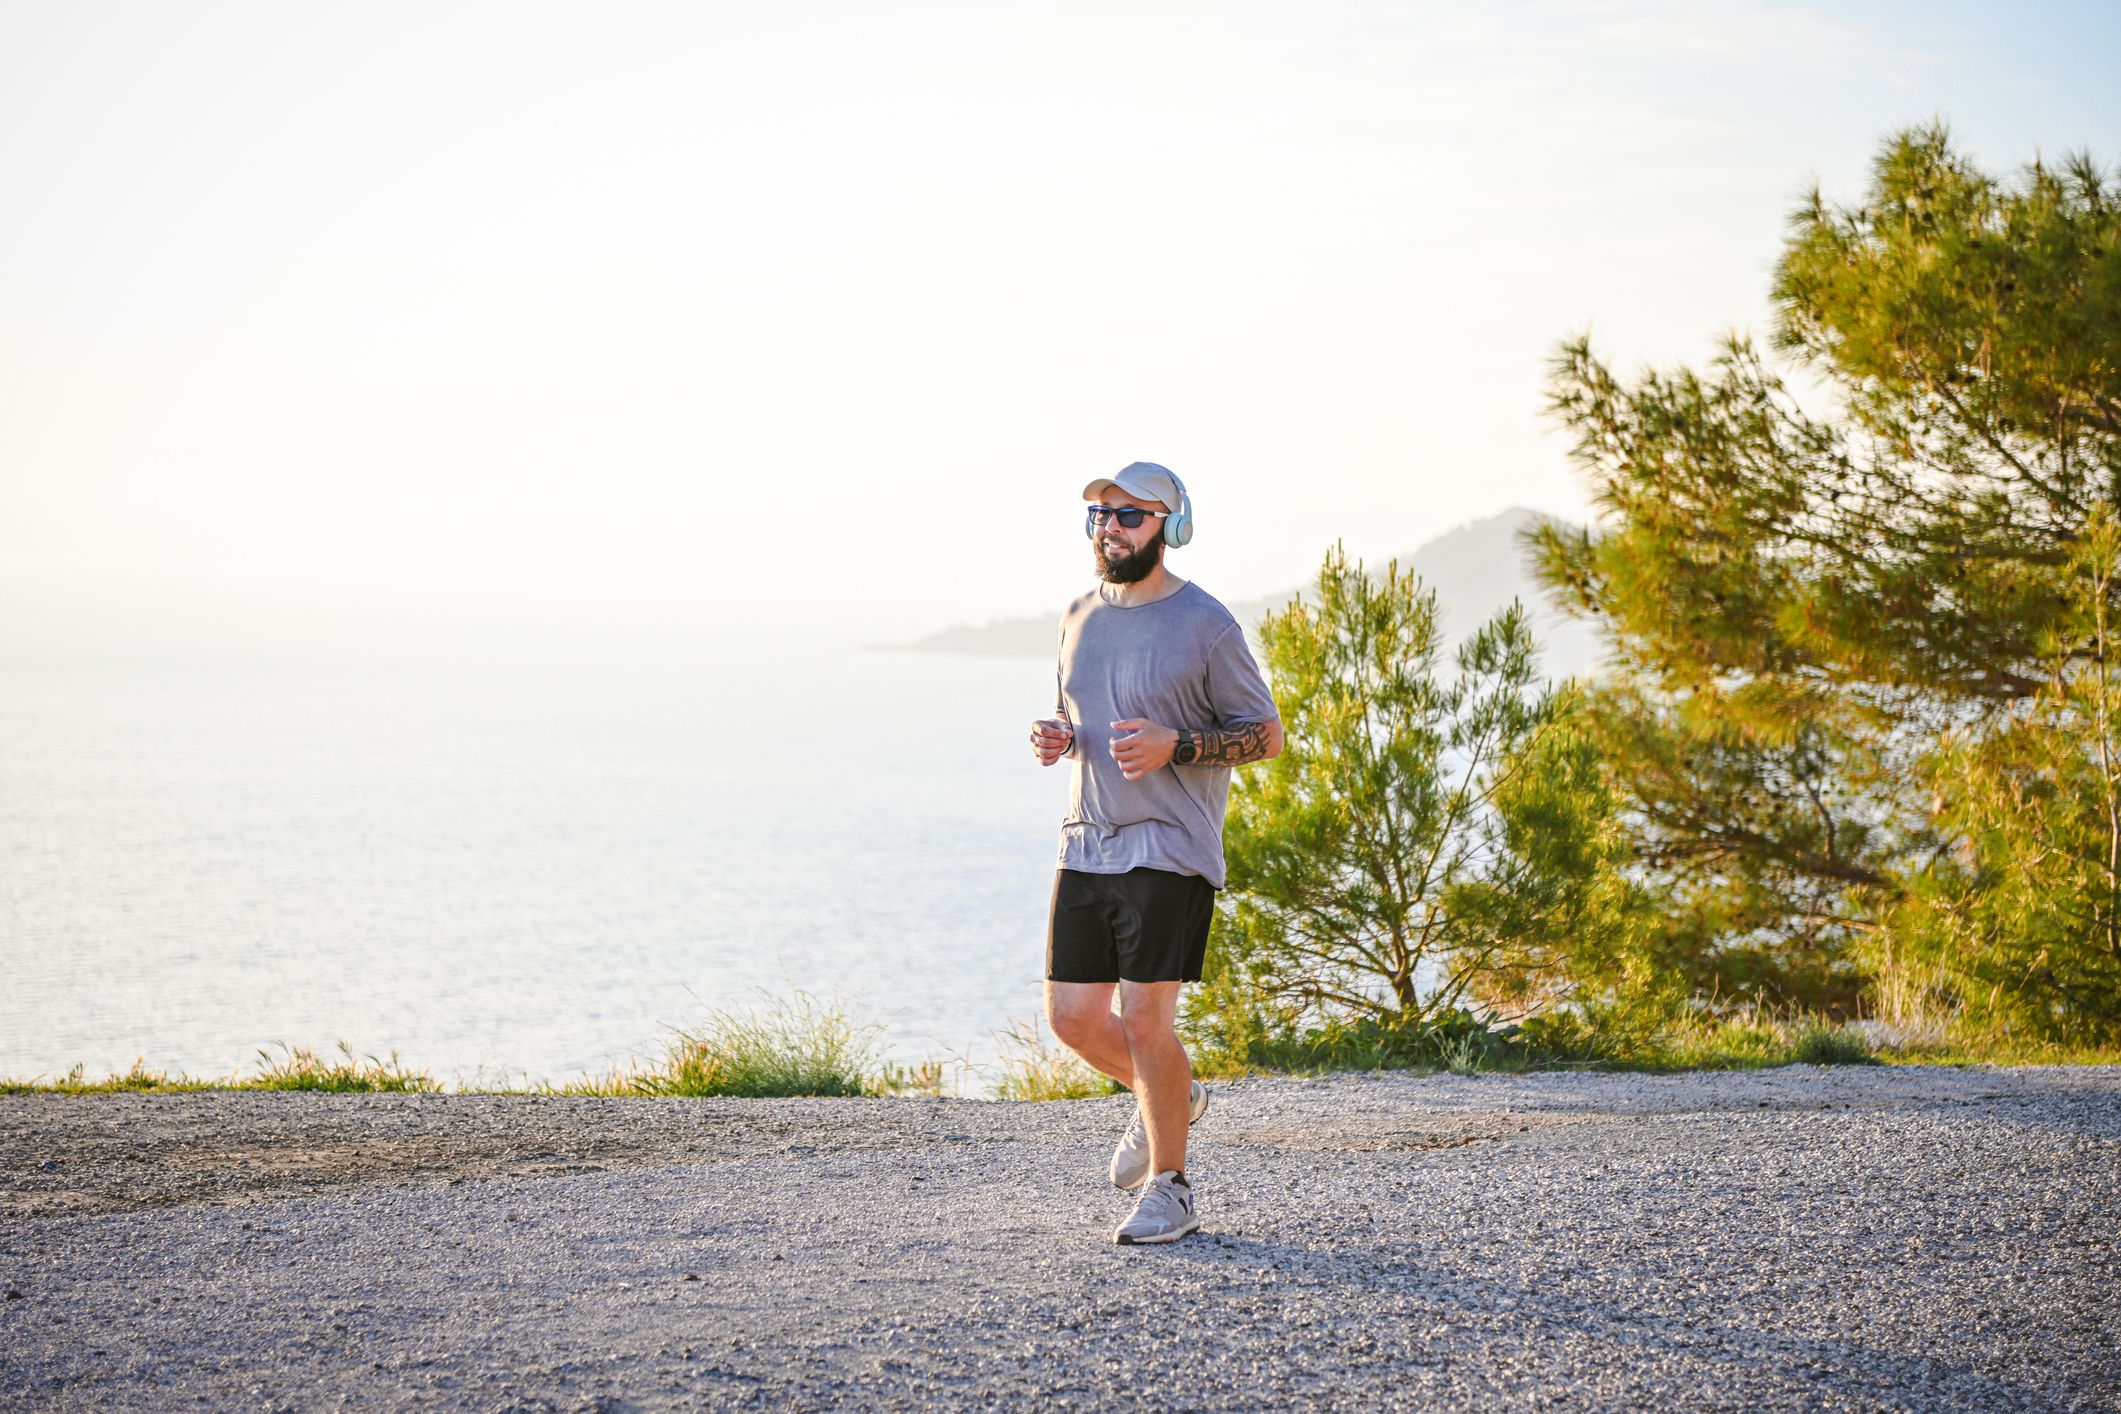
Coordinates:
[1180,662]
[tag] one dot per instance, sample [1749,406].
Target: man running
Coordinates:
[1159,698]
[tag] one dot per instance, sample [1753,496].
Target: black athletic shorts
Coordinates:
[1146,925]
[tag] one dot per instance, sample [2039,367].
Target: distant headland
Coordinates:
[1475,570]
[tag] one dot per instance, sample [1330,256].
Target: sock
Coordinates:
[1179,1176]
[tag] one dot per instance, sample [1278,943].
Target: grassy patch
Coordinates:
[1753,1040]
[1465,1044]
[139,1079]
[1759,1039]
[800,1045]
[297,1068]
[797,1045]
[1995,1050]
[794,1045]
[926,1078]
[300,1068]
[1033,1068]
[1820,1044]
[1732,1044]
[1455,1041]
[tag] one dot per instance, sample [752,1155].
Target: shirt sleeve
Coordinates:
[1236,691]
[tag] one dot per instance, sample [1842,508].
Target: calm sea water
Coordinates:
[512,868]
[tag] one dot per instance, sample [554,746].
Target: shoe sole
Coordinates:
[1192,1119]
[1191,1225]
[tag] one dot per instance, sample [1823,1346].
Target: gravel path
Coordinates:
[1803,1238]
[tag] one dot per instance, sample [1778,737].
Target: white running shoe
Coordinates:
[1130,1161]
[1164,1213]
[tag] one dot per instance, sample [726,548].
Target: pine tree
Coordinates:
[1847,627]
[1431,836]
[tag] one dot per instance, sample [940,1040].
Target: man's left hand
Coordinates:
[1145,747]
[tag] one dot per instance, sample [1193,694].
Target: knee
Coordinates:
[1144,1027]
[1072,1026]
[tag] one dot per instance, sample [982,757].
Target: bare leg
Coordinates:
[1147,1013]
[1080,1014]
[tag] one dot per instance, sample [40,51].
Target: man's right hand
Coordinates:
[1050,737]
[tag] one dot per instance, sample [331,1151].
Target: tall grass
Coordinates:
[138,1079]
[783,1046]
[1032,1068]
[923,1078]
[1750,1042]
[302,1069]
[1455,1041]
[801,1045]
[1957,1047]
[793,1045]
[298,1068]
[1465,1044]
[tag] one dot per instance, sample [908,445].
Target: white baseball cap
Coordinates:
[1143,480]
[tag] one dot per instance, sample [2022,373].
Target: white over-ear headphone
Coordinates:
[1178,526]
[1178,521]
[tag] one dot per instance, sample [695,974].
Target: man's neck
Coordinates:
[1158,583]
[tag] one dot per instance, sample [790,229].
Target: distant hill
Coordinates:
[1475,570]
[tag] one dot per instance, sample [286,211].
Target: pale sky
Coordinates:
[821,315]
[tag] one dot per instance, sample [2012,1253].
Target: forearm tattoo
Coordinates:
[1233,746]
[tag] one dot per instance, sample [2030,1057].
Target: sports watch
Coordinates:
[1187,749]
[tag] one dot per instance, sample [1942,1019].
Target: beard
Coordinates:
[1129,569]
